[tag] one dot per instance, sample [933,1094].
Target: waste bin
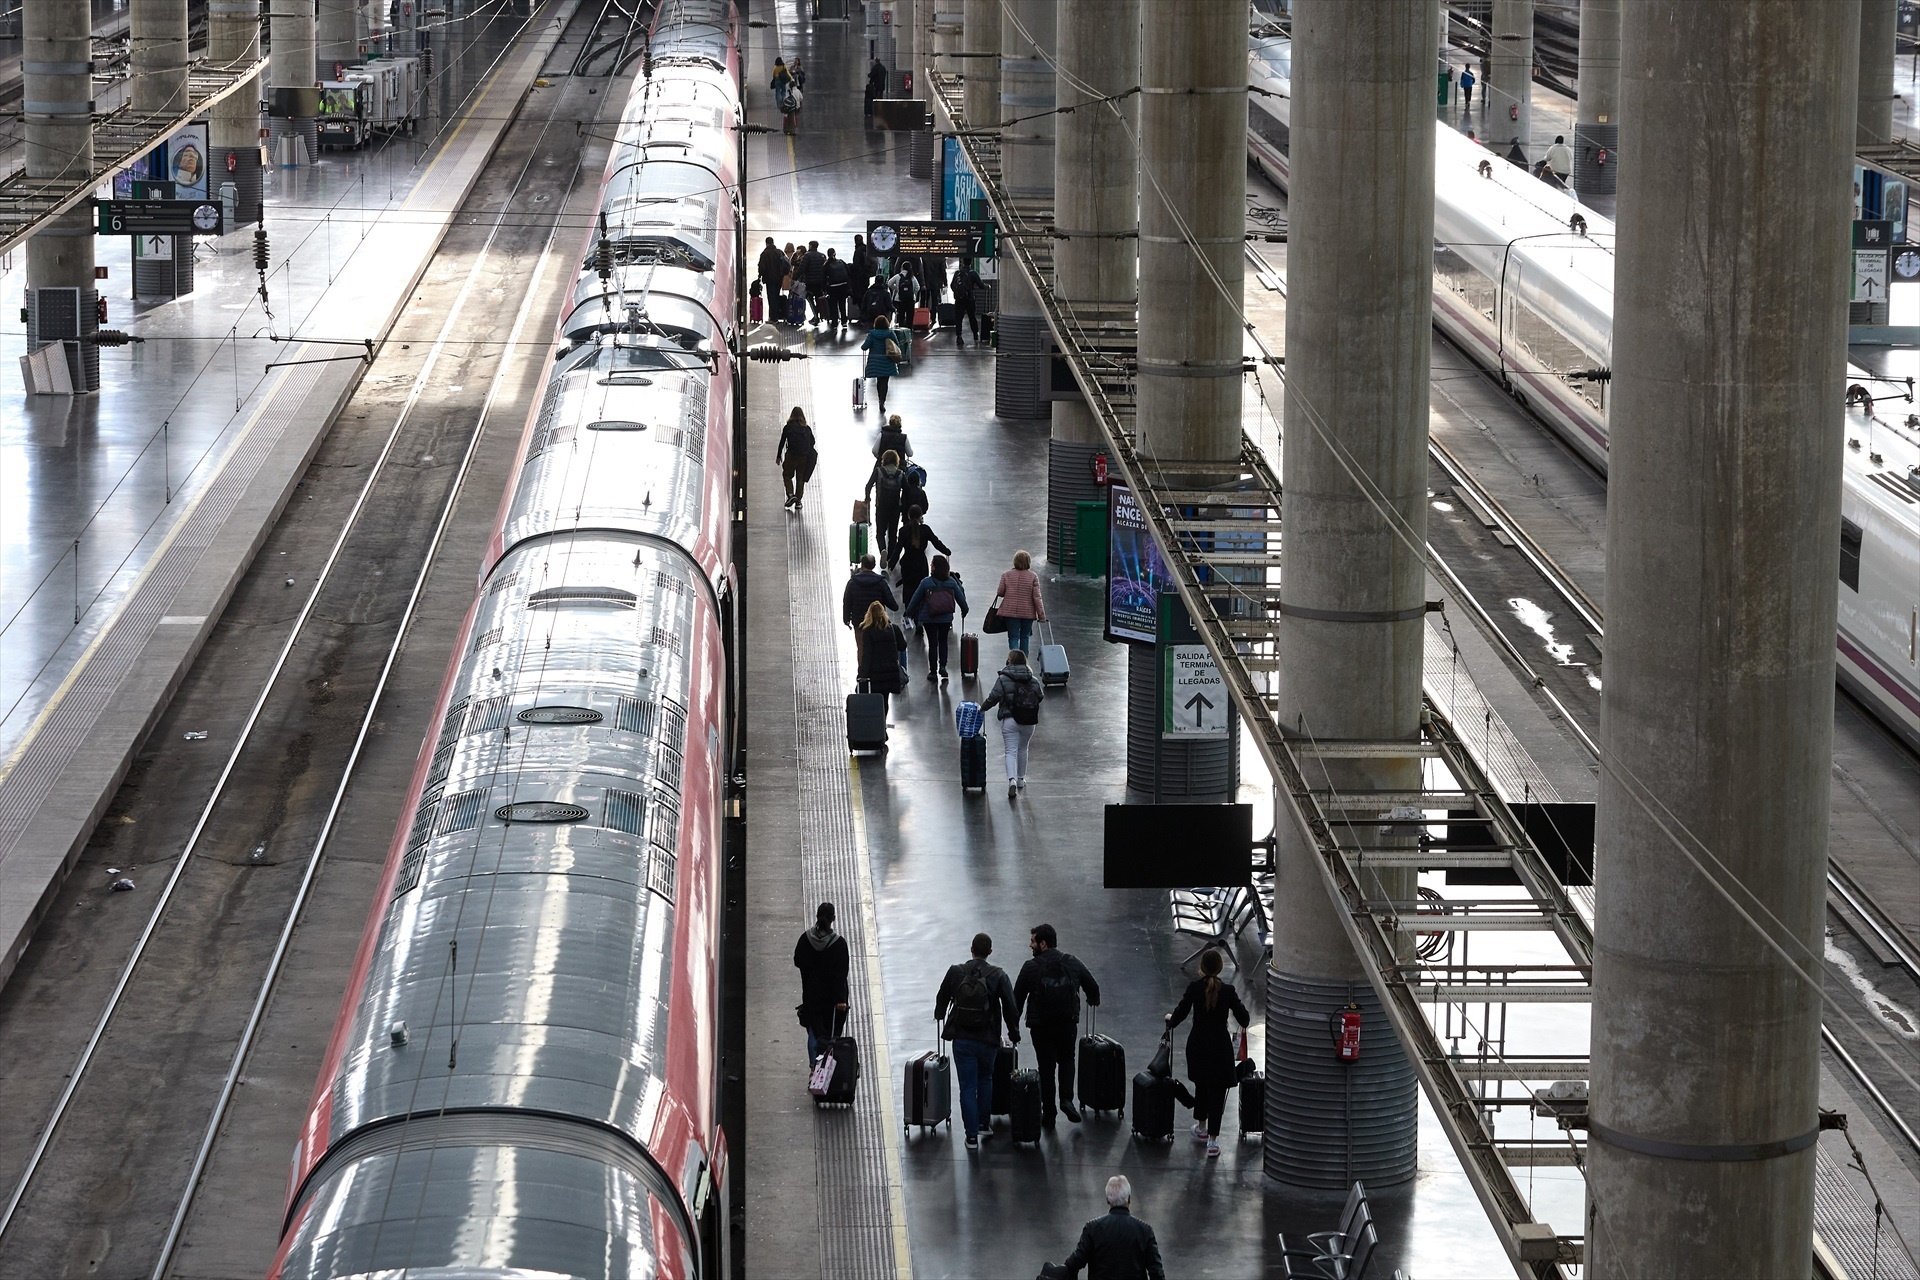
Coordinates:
[1090,538]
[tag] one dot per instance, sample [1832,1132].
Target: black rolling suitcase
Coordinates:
[1003,1064]
[948,313]
[1152,1107]
[836,1074]
[973,763]
[1253,1103]
[866,720]
[1023,1105]
[1102,1069]
[928,1092]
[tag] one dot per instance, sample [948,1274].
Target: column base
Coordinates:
[1069,483]
[158,278]
[1022,367]
[247,178]
[1331,1123]
[1203,771]
[301,127]
[1590,176]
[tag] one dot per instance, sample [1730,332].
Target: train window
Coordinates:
[1850,539]
[559,715]
[540,811]
[626,811]
[562,597]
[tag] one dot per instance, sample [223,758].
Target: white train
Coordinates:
[525,1075]
[1532,302]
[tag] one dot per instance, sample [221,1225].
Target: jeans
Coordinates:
[938,633]
[1020,635]
[973,1062]
[1055,1047]
[1015,739]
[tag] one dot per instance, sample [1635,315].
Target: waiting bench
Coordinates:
[1341,1254]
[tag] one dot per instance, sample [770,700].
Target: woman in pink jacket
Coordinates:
[1020,603]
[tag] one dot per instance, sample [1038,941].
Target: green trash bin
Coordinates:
[1090,538]
[1445,77]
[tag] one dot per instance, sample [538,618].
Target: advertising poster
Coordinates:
[1135,572]
[180,162]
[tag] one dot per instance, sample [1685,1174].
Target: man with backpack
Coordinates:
[1049,990]
[965,282]
[839,286]
[974,1001]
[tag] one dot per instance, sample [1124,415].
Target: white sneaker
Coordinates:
[1199,1133]
[1022,784]
[1213,1151]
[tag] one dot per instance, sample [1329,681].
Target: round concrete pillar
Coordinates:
[57,101]
[1596,126]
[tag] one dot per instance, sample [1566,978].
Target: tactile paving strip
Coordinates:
[856,1215]
[1847,1226]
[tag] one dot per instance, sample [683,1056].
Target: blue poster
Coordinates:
[1135,572]
[958,187]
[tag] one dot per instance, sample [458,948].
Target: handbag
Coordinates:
[993,624]
[860,511]
[1245,1068]
[893,349]
[1162,1064]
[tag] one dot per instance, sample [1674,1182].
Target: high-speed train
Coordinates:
[1532,303]
[524,1079]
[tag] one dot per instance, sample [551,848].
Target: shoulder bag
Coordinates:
[993,624]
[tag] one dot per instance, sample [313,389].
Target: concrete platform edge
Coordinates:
[78,799]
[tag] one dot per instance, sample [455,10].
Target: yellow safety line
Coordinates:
[877,1013]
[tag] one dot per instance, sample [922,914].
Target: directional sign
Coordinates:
[1870,269]
[159,217]
[153,246]
[948,239]
[1195,703]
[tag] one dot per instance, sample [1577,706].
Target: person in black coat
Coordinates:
[839,286]
[1117,1246]
[1210,1059]
[909,551]
[1048,989]
[864,588]
[860,263]
[876,83]
[813,270]
[822,957]
[878,302]
[882,643]
[796,455]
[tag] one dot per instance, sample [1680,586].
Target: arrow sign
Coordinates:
[1199,704]
[1191,682]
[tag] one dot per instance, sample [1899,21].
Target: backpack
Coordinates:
[1059,993]
[941,600]
[916,473]
[971,1013]
[1024,700]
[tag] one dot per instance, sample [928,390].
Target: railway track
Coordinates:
[118,1150]
[1575,699]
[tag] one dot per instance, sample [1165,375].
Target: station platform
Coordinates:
[130,515]
[916,866]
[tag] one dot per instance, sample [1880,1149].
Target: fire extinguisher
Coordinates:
[1513,111]
[1100,470]
[1600,157]
[233,162]
[1345,1026]
[99,309]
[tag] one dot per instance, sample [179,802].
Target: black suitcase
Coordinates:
[866,721]
[928,1094]
[845,1052]
[1152,1107]
[1023,1106]
[969,656]
[973,763]
[1102,1067]
[948,313]
[1003,1064]
[1253,1104]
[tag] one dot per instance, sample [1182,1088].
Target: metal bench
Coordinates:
[1341,1254]
[1215,915]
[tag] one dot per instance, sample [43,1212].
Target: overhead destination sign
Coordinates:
[159,217]
[948,239]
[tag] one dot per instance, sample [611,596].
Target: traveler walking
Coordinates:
[893,436]
[864,588]
[909,553]
[933,605]
[1018,695]
[933,278]
[796,455]
[823,960]
[974,1001]
[860,264]
[882,345]
[875,302]
[786,96]
[1049,990]
[839,285]
[1467,81]
[813,270]
[966,285]
[883,492]
[1560,159]
[881,646]
[876,83]
[904,287]
[1210,1061]
[772,269]
[1117,1246]
[1018,598]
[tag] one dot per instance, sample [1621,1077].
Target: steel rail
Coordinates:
[376,473]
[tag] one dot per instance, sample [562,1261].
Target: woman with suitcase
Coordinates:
[881,645]
[909,551]
[1210,1063]
[1018,600]
[1018,695]
[934,604]
[882,345]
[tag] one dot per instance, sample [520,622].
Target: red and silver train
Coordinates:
[525,1076]
[1532,303]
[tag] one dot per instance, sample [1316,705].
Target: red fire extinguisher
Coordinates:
[1345,1026]
[99,309]
[233,162]
[1600,157]
[1513,111]
[1100,469]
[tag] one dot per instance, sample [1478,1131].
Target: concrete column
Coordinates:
[980,62]
[1022,370]
[233,40]
[293,98]
[1359,302]
[1878,23]
[1193,168]
[1722,507]
[1510,78]
[1596,128]
[157,52]
[57,100]
[1096,198]
[947,37]
[338,32]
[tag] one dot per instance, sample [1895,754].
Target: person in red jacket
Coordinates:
[1020,603]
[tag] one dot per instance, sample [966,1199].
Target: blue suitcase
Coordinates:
[1053,663]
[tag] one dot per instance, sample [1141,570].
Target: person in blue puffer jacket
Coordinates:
[933,605]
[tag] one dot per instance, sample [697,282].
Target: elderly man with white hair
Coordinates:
[1117,1246]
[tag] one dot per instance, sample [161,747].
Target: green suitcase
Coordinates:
[856,542]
